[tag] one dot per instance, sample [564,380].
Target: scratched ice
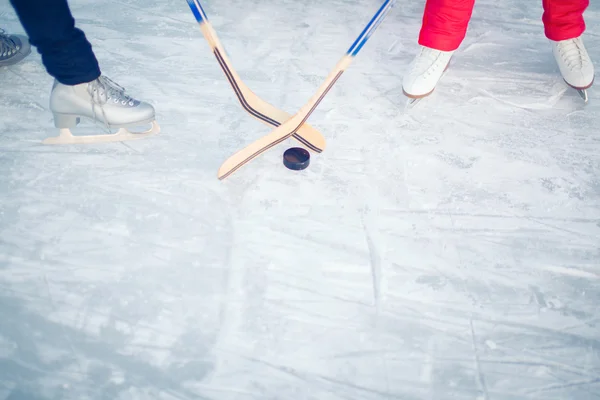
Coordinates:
[449,251]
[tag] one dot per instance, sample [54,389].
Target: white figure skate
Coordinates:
[424,73]
[575,64]
[100,100]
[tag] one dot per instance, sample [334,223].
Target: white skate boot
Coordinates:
[575,64]
[100,100]
[13,48]
[425,72]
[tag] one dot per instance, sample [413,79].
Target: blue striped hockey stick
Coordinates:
[295,123]
[254,105]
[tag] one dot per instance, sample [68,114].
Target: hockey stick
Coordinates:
[292,125]
[253,104]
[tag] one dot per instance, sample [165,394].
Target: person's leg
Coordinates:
[563,19]
[564,26]
[66,53]
[79,90]
[445,23]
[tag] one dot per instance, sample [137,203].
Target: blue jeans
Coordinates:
[66,53]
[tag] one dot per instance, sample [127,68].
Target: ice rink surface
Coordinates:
[449,251]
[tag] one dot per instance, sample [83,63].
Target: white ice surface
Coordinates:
[451,251]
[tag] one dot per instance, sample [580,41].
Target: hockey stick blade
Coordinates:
[294,124]
[254,105]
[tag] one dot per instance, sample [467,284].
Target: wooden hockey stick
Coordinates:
[253,104]
[292,125]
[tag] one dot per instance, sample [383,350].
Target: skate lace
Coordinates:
[104,90]
[426,63]
[573,53]
[7,45]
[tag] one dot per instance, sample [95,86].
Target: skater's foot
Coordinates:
[425,72]
[13,48]
[574,62]
[100,100]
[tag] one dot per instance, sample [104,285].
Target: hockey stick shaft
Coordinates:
[291,126]
[253,104]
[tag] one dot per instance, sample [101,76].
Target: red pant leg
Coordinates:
[445,23]
[563,19]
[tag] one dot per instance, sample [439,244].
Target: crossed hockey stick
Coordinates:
[254,105]
[294,126]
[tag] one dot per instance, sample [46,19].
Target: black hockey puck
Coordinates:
[296,158]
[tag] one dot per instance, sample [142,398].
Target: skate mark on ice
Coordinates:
[443,212]
[593,321]
[24,78]
[480,376]
[375,263]
[290,303]
[62,328]
[554,333]
[558,386]
[332,384]
[549,104]
[456,160]
[538,296]
[145,10]
[128,146]
[569,271]
[427,369]
[580,235]
[392,48]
